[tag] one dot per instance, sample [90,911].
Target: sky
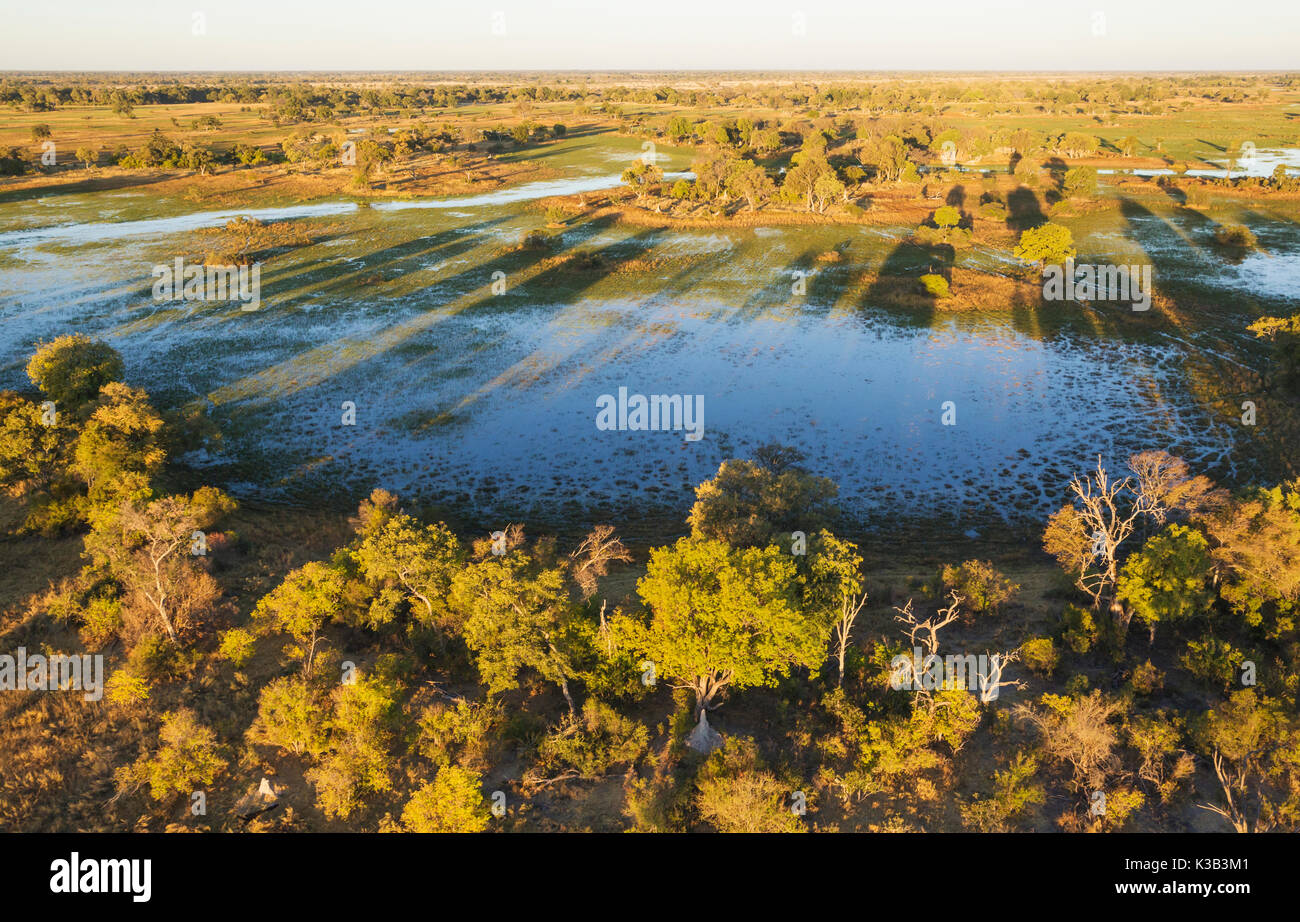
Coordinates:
[758,35]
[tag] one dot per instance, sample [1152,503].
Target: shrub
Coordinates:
[1147,679]
[453,802]
[461,733]
[1213,661]
[187,759]
[601,739]
[1039,655]
[983,587]
[936,286]
[1235,236]
[237,646]
[1079,628]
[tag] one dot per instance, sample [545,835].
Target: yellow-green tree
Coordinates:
[452,802]
[724,617]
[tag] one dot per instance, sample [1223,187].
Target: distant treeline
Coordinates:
[320,100]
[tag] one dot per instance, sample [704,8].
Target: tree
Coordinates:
[979,584]
[724,617]
[947,216]
[1168,579]
[308,599]
[1014,793]
[420,559]
[734,793]
[887,157]
[1047,244]
[150,551]
[1082,733]
[642,177]
[594,555]
[748,503]
[1254,747]
[1087,536]
[88,155]
[357,761]
[72,369]
[827,188]
[452,802]
[834,591]
[711,171]
[750,181]
[188,759]
[517,615]
[34,449]
[1255,546]
[290,717]
[1079,182]
[810,167]
[119,450]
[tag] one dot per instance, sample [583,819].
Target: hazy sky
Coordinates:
[659,35]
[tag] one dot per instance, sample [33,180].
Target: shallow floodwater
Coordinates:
[486,400]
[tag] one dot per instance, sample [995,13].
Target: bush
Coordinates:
[1040,656]
[601,739]
[1147,679]
[453,802]
[237,646]
[1079,629]
[187,760]
[1235,236]
[1213,661]
[936,286]
[101,621]
[461,733]
[983,587]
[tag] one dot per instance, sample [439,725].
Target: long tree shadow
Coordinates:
[1023,209]
[82,185]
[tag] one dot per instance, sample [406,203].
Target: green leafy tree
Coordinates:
[947,216]
[517,615]
[1254,747]
[1255,546]
[72,369]
[750,181]
[1168,578]
[358,761]
[418,560]
[1047,244]
[291,717]
[748,503]
[724,617]
[301,606]
[188,759]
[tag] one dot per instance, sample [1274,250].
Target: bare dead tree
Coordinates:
[1234,780]
[593,557]
[1166,487]
[850,608]
[991,682]
[924,636]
